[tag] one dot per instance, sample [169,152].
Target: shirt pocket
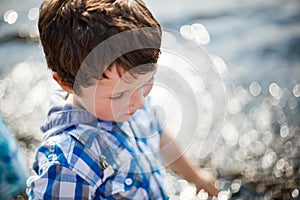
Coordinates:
[123,177]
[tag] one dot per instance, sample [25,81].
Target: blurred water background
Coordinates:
[258,153]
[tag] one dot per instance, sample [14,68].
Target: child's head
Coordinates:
[71,29]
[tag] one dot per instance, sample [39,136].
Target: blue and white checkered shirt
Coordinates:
[82,157]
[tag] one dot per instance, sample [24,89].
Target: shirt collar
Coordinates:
[63,116]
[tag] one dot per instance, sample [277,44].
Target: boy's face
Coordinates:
[117,97]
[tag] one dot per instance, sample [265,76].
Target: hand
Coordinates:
[206,182]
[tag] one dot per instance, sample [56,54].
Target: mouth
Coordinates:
[131,113]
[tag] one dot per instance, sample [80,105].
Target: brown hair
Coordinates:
[71,29]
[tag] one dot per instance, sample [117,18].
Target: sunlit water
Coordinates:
[255,47]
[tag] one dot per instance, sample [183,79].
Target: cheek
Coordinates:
[119,106]
[108,108]
[103,107]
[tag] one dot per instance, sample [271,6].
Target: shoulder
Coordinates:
[78,152]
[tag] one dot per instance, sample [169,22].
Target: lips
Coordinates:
[131,113]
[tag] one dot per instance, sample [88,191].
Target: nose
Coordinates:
[137,100]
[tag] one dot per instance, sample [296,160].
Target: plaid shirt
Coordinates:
[86,158]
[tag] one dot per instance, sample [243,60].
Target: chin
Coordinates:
[123,118]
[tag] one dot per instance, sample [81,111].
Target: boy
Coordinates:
[102,139]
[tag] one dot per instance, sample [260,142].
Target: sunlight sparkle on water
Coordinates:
[187,194]
[224,195]
[20,71]
[33,13]
[292,103]
[275,90]
[295,193]
[181,184]
[200,33]
[280,164]
[202,195]
[230,134]
[296,90]
[34,32]
[267,138]
[196,32]
[236,185]
[220,65]
[255,89]
[23,30]
[186,32]
[10,16]
[244,141]
[268,159]
[234,106]
[284,131]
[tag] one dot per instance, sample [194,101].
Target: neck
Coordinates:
[70,98]
[73,100]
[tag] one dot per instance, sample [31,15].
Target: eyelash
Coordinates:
[120,96]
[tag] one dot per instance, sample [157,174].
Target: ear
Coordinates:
[64,85]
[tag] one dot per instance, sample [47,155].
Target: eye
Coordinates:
[118,96]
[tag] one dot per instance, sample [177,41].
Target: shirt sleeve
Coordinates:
[55,177]
[57,182]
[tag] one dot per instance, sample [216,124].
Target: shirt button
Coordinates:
[54,157]
[128,181]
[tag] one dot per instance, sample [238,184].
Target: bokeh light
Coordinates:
[296,90]
[255,89]
[33,13]
[10,16]
[195,32]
